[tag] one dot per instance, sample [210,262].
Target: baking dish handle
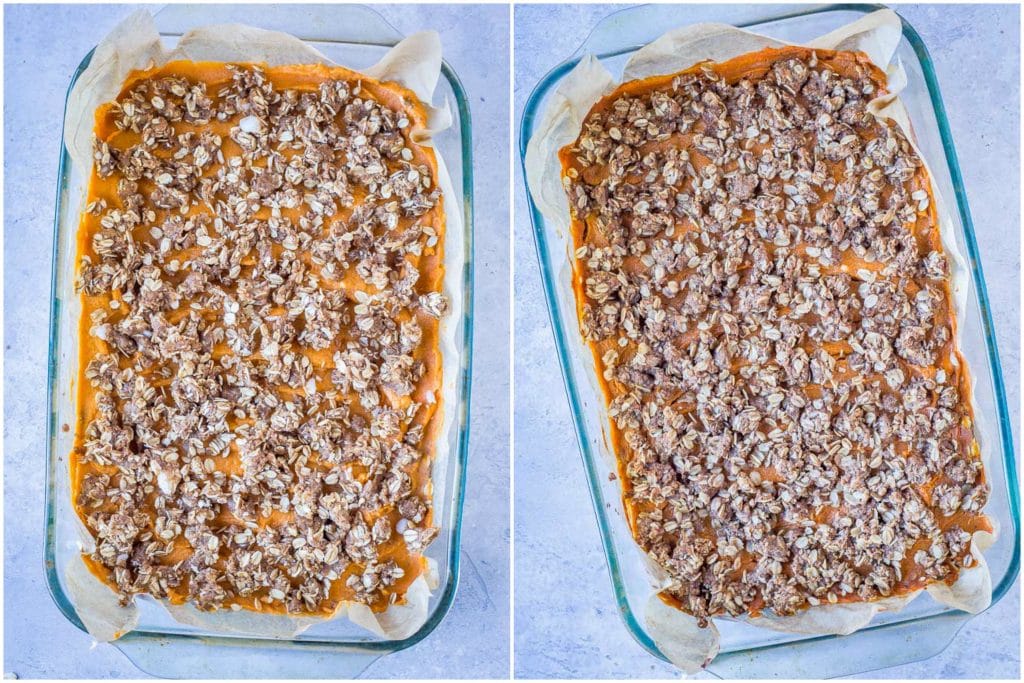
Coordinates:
[828,657]
[231,658]
[351,23]
[640,24]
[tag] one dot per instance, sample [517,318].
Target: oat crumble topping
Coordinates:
[261,267]
[760,277]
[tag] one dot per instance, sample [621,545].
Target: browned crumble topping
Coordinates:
[261,276]
[760,277]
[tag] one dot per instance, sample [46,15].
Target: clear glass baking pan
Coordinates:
[925,627]
[356,36]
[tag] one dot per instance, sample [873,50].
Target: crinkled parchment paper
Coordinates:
[414,63]
[877,35]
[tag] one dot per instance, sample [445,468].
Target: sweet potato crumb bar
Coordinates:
[760,277]
[260,389]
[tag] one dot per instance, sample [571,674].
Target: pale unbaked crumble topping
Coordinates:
[258,400]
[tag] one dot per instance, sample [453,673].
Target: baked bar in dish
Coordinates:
[259,394]
[760,277]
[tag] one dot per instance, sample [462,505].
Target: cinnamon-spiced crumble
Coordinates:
[260,392]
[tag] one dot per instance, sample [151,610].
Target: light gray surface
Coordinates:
[566,621]
[43,46]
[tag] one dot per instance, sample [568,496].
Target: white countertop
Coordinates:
[43,45]
[566,621]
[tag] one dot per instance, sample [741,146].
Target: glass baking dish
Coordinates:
[925,627]
[355,36]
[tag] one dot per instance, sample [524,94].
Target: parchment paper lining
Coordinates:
[878,35]
[414,63]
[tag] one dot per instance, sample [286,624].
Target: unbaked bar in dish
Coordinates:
[759,274]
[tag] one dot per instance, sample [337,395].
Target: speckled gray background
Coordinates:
[566,622]
[43,45]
